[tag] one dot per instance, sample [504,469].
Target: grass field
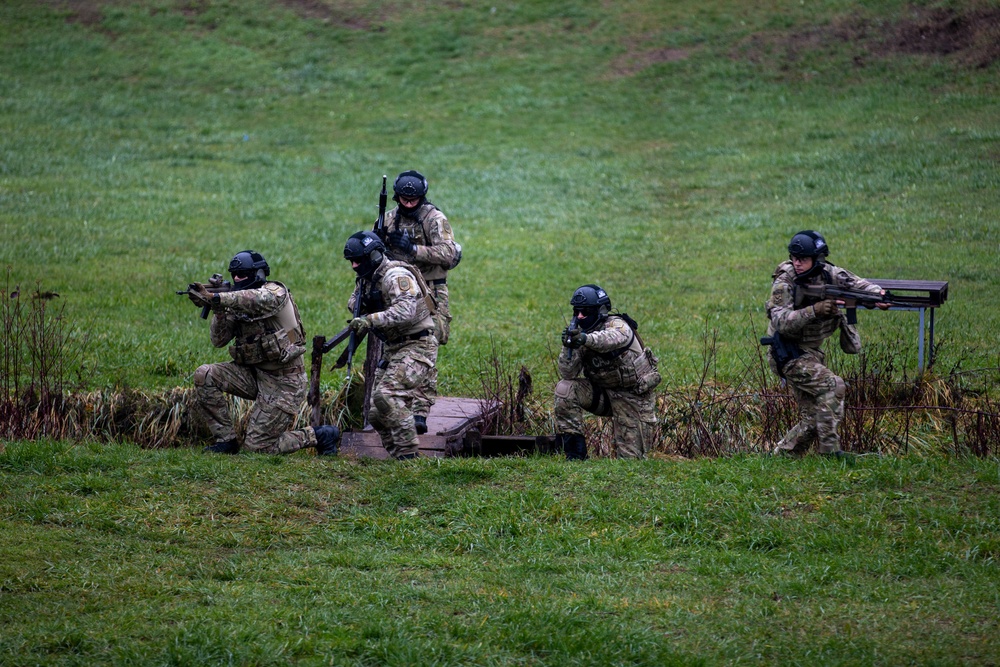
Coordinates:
[666,150]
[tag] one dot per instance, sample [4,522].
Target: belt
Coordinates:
[439,281]
[417,336]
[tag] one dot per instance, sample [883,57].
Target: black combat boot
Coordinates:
[223,447]
[327,440]
[574,444]
[408,457]
[420,423]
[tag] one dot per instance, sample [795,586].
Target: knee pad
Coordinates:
[201,375]
[564,388]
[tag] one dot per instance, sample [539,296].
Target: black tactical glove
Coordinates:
[401,240]
[574,338]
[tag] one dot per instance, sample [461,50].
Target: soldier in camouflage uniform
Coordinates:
[263,322]
[619,375]
[418,233]
[397,308]
[803,324]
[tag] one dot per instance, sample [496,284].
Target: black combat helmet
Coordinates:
[593,302]
[251,267]
[367,249]
[410,184]
[808,243]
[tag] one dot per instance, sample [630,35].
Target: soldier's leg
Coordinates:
[634,422]
[211,383]
[820,395]
[406,370]
[279,399]
[572,397]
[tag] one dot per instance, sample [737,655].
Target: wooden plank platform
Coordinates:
[447,424]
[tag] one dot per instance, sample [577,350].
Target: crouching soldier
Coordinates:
[619,375]
[397,308]
[263,323]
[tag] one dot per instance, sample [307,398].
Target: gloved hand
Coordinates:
[401,240]
[827,308]
[199,295]
[574,338]
[360,324]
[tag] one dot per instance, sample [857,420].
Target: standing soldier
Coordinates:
[267,367]
[619,375]
[396,306]
[799,325]
[418,233]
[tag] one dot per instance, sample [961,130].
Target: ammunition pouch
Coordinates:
[265,348]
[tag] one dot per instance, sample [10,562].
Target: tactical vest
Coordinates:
[815,332]
[417,228]
[272,340]
[632,367]
[393,332]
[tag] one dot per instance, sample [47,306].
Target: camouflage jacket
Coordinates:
[434,239]
[613,358]
[263,324]
[403,305]
[793,316]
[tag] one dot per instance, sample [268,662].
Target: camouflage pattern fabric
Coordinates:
[818,391]
[404,370]
[431,232]
[819,394]
[633,416]
[407,374]
[277,397]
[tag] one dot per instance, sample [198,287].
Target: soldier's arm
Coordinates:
[569,368]
[440,248]
[780,307]
[401,299]
[253,303]
[847,280]
[614,336]
[221,330]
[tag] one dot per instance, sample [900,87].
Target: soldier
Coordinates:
[418,233]
[396,306]
[803,324]
[267,368]
[619,374]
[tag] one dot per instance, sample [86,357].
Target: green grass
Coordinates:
[120,556]
[141,152]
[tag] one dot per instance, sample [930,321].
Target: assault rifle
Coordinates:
[379,229]
[216,285]
[851,299]
[568,336]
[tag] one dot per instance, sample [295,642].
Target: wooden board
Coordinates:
[450,418]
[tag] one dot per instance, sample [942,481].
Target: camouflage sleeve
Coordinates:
[781,309]
[569,368]
[400,291]
[440,248]
[615,334]
[846,279]
[221,330]
[254,304]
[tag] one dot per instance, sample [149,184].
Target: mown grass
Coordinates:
[141,150]
[115,555]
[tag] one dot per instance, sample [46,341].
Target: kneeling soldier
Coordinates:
[619,374]
[263,322]
[396,307]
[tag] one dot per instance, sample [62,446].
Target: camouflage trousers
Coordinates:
[425,396]
[633,416]
[277,397]
[400,377]
[819,394]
